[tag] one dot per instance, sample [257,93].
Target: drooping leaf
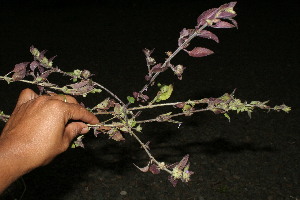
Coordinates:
[225,15]
[208,35]
[234,22]
[200,52]
[143,169]
[223,24]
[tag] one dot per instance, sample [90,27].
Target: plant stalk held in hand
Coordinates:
[122,117]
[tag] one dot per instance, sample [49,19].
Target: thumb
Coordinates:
[25,96]
[73,129]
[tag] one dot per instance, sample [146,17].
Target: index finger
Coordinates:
[77,112]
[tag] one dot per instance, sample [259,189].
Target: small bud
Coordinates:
[179,70]
[85,74]
[150,61]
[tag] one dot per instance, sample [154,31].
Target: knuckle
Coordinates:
[72,99]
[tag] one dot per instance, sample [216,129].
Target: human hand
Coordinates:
[38,129]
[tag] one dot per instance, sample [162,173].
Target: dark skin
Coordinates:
[37,131]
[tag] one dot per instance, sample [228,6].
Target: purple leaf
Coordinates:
[171,166]
[140,97]
[184,33]
[143,169]
[222,24]
[158,68]
[154,169]
[183,162]
[135,95]
[20,67]
[226,15]
[173,181]
[180,105]
[209,14]
[234,22]
[147,78]
[208,35]
[82,87]
[229,5]
[51,59]
[80,84]
[34,65]
[42,54]
[45,74]
[19,71]
[200,52]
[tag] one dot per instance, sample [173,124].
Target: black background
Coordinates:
[244,159]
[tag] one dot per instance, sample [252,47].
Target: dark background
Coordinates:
[243,159]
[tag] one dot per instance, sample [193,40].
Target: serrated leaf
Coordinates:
[19,71]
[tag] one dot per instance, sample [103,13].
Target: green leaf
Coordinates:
[164,93]
[130,99]
[186,107]
[77,72]
[95,90]
[131,122]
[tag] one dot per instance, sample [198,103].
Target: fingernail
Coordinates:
[85,130]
